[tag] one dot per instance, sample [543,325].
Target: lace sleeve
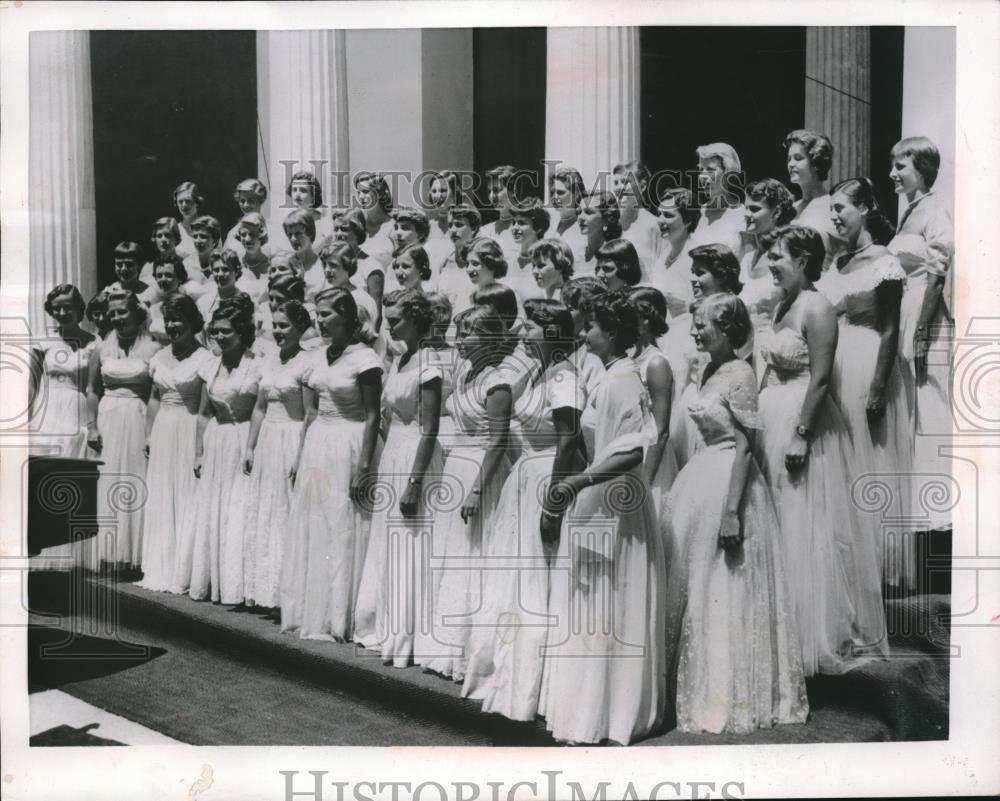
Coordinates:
[741,394]
[886,268]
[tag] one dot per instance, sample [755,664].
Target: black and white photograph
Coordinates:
[511,385]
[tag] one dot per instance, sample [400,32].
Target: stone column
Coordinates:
[838,96]
[62,217]
[302,112]
[592,98]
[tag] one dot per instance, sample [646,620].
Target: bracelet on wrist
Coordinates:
[414,482]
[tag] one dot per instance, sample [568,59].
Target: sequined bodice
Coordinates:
[730,394]
[787,354]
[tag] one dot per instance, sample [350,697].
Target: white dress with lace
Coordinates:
[735,661]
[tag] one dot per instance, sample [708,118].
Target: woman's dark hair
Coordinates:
[135,306]
[238,310]
[642,176]
[307,177]
[340,254]
[129,250]
[208,223]
[861,192]
[175,261]
[728,314]
[181,307]
[801,241]
[818,148]
[683,199]
[622,253]
[651,306]
[577,293]
[555,250]
[617,316]
[554,318]
[415,217]
[342,302]
[536,214]
[420,260]
[291,286]
[297,314]
[229,258]
[98,306]
[489,253]
[607,204]
[74,296]
[414,306]
[573,181]
[925,155]
[721,263]
[379,186]
[775,196]
[485,321]
[502,299]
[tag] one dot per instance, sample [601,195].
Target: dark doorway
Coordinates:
[508,101]
[886,110]
[169,106]
[743,86]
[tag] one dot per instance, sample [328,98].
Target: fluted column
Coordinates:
[62,215]
[838,95]
[592,98]
[302,112]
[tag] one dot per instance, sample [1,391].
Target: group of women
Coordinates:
[598,465]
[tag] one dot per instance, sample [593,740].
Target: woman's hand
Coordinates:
[94,439]
[248,462]
[921,344]
[361,489]
[876,405]
[293,473]
[471,506]
[199,460]
[145,448]
[796,454]
[730,533]
[410,501]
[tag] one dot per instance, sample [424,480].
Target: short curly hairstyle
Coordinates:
[238,310]
[606,203]
[573,180]
[256,223]
[617,316]
[378,185]
[818,148]
[292,287]
[415,217]
[577,293]
[251,186]
[304,176]
[175,261]
[354,221]
[297,314]
[536,214]
[728,314]
[414,306]
[555,250]
[167,224]
[181,307]
[775,196]
[490,254]
[553,316]
[800,241]
[208,223]
[79,306]
[720,262]
[454,185]
[186,187]
[502,299]
[651,306]
[469,214]
[340,254]
[229,258]
[683,200]
[135,306]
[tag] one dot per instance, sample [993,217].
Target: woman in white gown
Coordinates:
[463,226]
[117,392]
[171,423]
[630,182]
[392,610]
[865,287]
[58,396]
[187,199]
[172,282]
[805,452]
[925,246]
[212,547]
[511,626]
[809,157]
[331,509]
[599,219]
[604,672]
[529,223]
[659,464]
[565,192]
[250,195]
[275,429]
[735,663]
[768,205]
[476,468]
